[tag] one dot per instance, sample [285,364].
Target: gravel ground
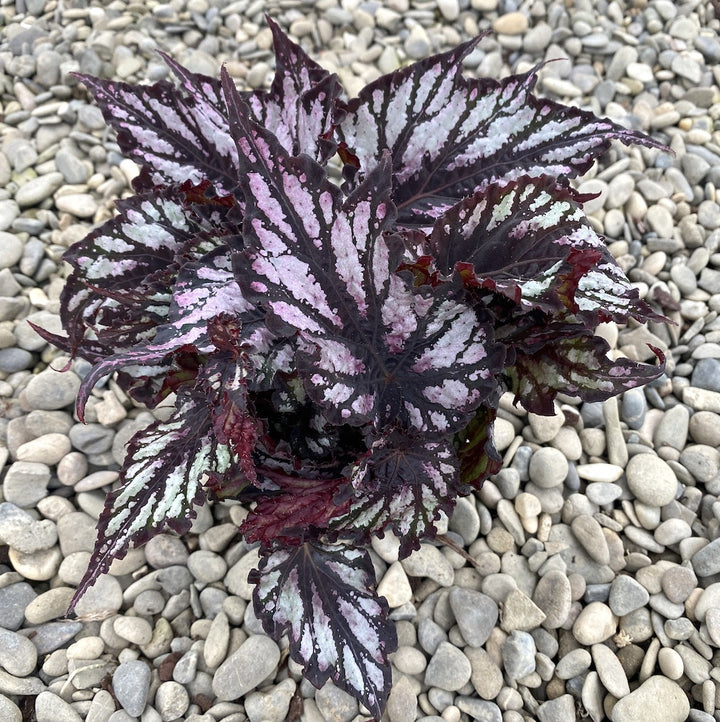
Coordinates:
[596,588]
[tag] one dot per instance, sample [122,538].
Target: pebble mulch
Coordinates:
[595,592]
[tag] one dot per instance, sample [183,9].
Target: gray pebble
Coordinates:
[103,598]
[37,190]
[656,698]
[253,662]
[678,582]
[626,595]
[73,169]
[448,669]
[703,462]
[651,480]
[610,671]
[53,635]
[486,677]
[14,359]
[91,438]
[672,531]
[206,566]
[553,596]
[131,684]
[559,709]
[590,534]
[171,701]
[673,428]
[11,248]
[334,703]
[520,613]
[173,579]
[273,706]
[52,390]
[46,449]
[479,709]
[18,655]
[14,599]
[26,483]
[573,664]
[518,653]
[695,666]
[595,623]
[706,561]
[705,428]
[23,532]
[9,711]
[51,708]
[476,614]
[548,467]
[165,550]
[428,561]
[417,43]
[634,408]
[76,532]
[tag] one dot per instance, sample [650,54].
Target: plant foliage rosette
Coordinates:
[337,352]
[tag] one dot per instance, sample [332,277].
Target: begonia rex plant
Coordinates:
[336,353]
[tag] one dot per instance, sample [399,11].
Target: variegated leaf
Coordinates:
[168,464]
[205,290]
[298,108]
[576,366]
[374,348]
[402,484]
[529,240]
[449,135]
[174,136]
[438,362]
[179,134]
[324,598]
[120,289]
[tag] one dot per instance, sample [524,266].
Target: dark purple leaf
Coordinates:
[169,463]
[402,484]
[576,366]
[324,598]
[449,135]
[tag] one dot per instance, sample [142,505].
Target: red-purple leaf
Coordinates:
[324,598]
[448,135]
[300,510]
[475,449]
